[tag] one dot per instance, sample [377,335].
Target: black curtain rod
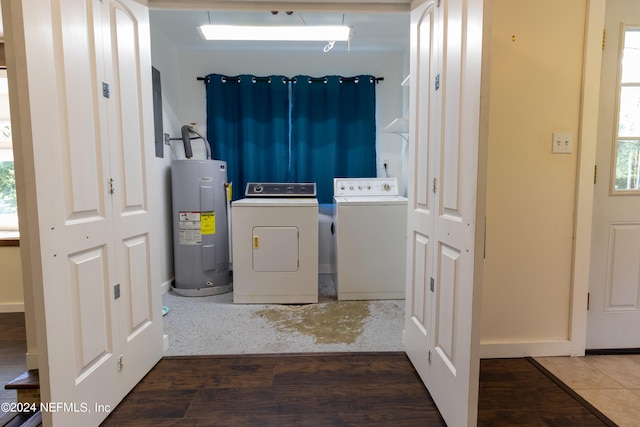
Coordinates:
[376,79]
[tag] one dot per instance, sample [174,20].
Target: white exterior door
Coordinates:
[446,197]
[614,284]
[81,70]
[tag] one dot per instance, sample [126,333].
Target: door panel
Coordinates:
[621,288]
[137,255]
[420,275]
[84,162]
[131,139]
[90,312]
[446,309]
[419,314]
[423,31]
[614,306]
[127,135]
[445,137]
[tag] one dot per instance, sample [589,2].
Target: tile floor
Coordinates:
[610,383]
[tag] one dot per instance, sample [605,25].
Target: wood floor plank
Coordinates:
[194,374]
[514,392]
[142,405]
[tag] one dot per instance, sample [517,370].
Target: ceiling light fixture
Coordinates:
[282,33]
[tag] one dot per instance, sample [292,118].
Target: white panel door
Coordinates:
[446,196]
[76,144]
[423,59]
[130,133]
[614,282]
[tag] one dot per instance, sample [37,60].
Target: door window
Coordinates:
[627,171]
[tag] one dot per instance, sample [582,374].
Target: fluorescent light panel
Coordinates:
[286,33]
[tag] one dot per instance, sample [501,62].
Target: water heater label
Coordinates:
[208,223]
[190,226]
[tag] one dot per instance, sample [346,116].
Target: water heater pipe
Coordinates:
[186,140]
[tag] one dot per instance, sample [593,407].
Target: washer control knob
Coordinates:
[386,187]
[258,188]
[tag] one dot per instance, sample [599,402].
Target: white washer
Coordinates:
[371,230]
[275,250]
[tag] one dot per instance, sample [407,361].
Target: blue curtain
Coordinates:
[333,130]
[248,127]
[274,129]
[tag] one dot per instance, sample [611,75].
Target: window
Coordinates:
[627,178]
[8,204]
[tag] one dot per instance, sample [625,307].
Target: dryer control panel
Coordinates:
[280,189]
[365,187]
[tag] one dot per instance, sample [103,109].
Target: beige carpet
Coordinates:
[215,325]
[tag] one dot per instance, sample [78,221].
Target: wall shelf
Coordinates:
[399,125]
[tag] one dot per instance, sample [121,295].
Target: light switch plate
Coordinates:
[562,143]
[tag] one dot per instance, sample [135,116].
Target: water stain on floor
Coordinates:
[335,323]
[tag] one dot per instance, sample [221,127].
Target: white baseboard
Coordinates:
[32,361]
[12,307]
[498,350]
[166,286]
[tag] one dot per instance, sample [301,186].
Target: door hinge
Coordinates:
[438,3]
[604,38]
[105,90]
[111,189]
[435,185]
[116,291]
[429,355]
[588,300]
[120,362]
[595,173]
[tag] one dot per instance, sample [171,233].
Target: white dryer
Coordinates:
[275,244]
[371,243]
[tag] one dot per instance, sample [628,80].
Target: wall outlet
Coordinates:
[562,143]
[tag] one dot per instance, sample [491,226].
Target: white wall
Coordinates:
[165,60]
[11,297]
[184,101]
[390,65]
[536,78]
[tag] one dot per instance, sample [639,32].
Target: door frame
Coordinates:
[588,132]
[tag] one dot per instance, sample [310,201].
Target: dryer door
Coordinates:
[275,249]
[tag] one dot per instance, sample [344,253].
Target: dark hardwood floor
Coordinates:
[13,348]
[339,389]
[365,389]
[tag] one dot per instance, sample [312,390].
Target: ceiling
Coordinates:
[381,31]
[370,31]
